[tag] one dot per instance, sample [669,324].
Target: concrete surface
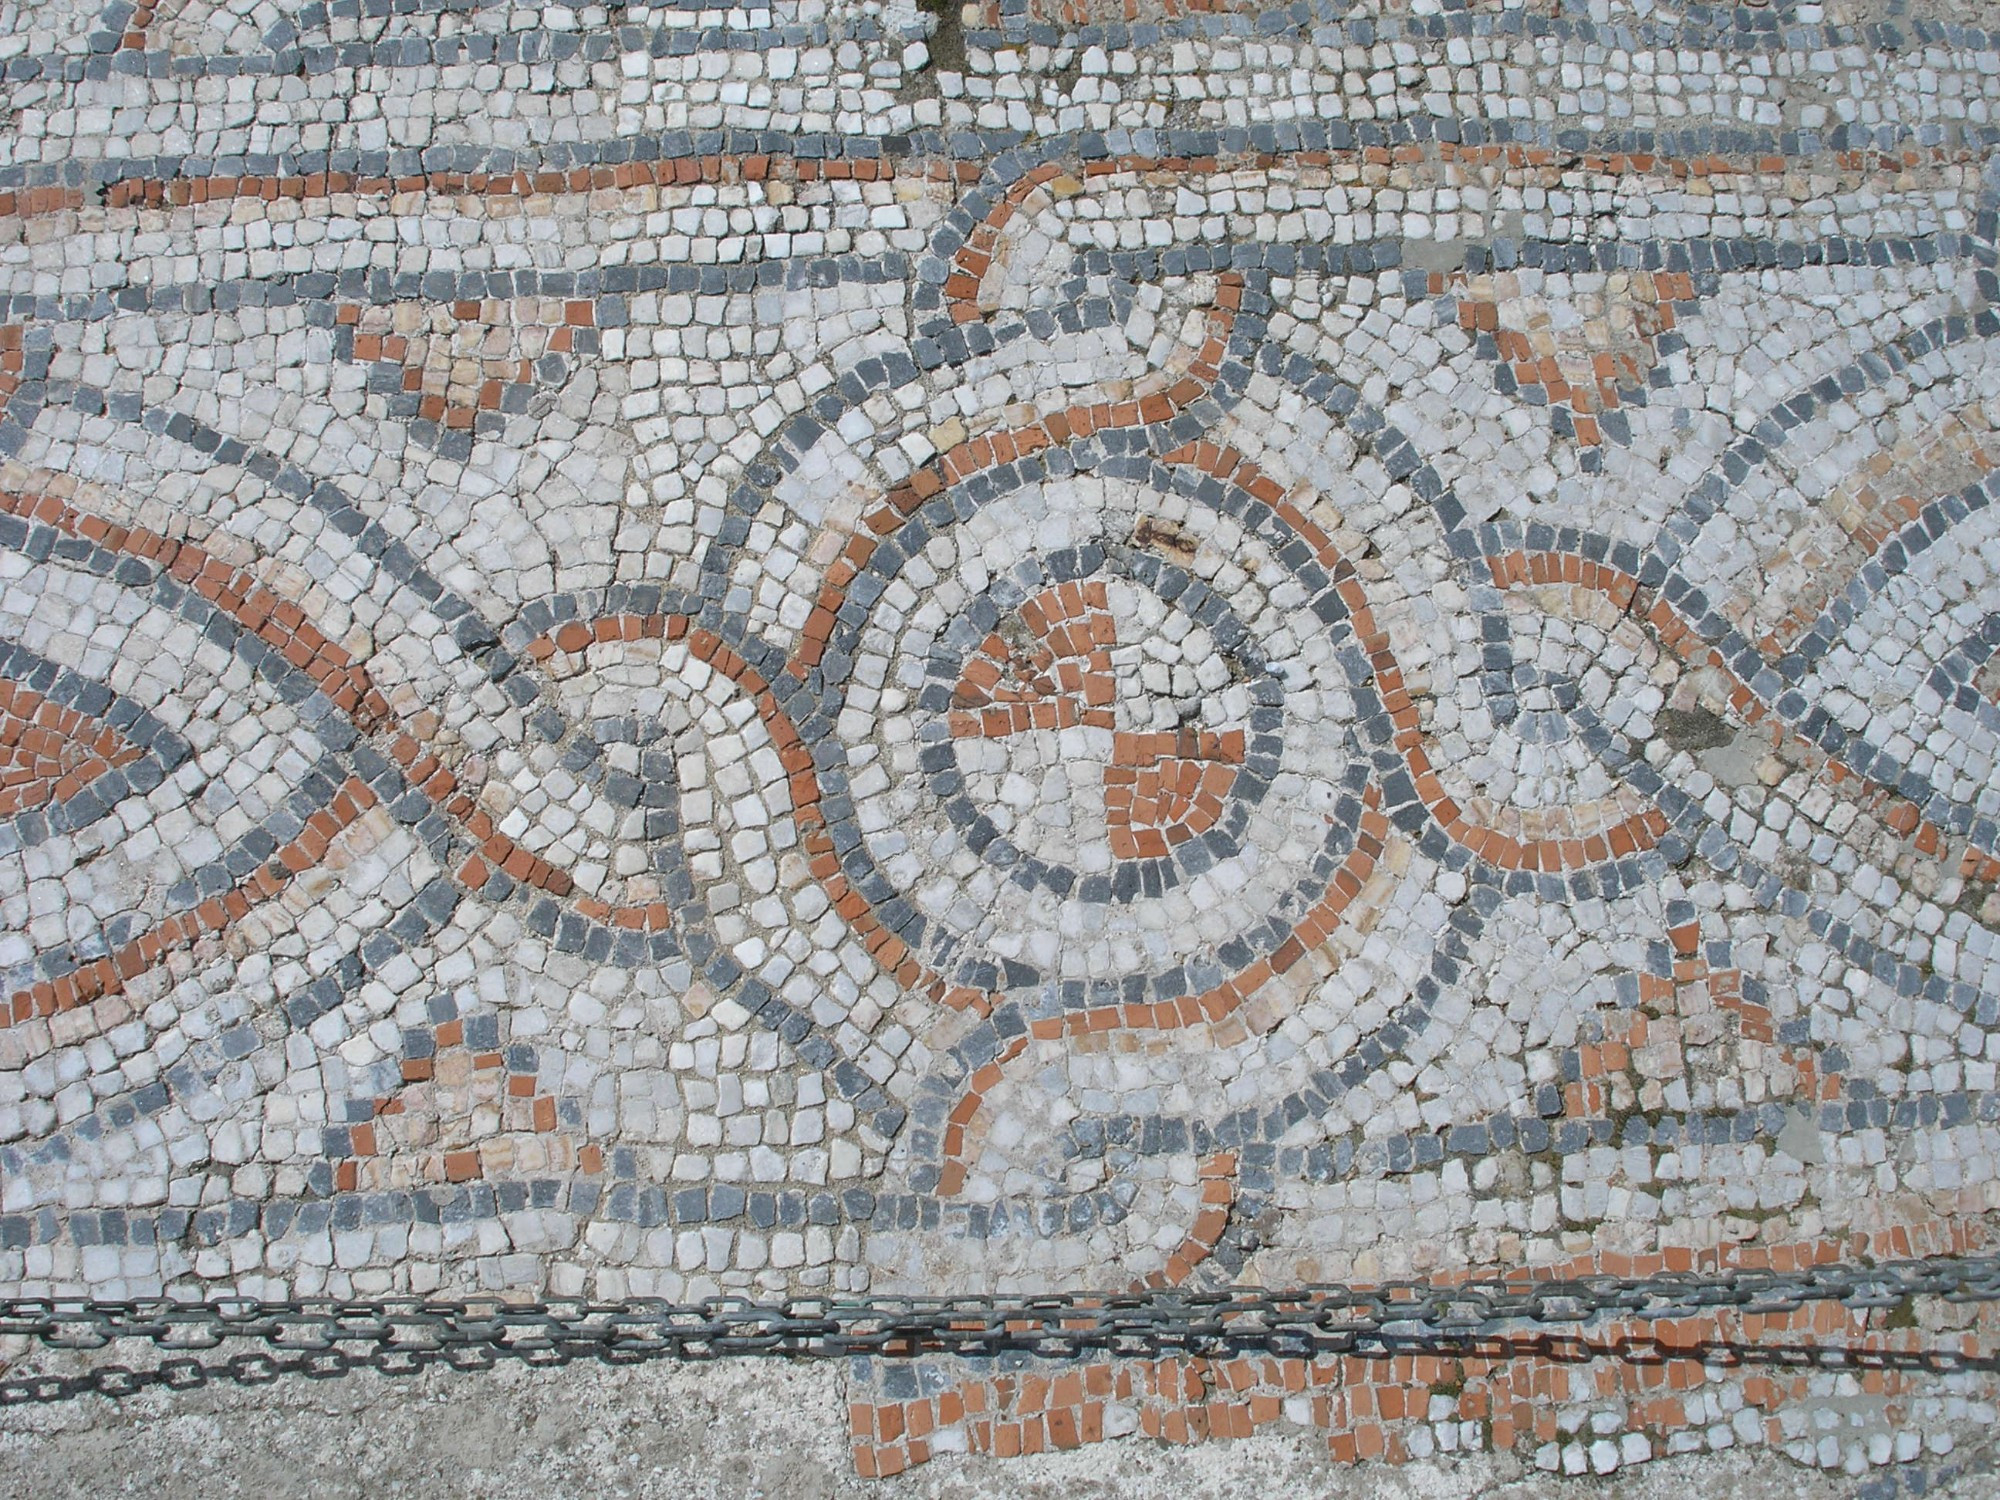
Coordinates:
[752,1431]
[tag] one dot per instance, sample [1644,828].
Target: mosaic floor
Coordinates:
[655,651]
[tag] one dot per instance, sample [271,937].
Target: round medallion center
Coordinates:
[1131,728]
[1104,741]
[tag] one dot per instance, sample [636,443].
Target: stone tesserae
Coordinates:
[828,649]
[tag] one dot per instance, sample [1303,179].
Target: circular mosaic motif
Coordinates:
[1128,757]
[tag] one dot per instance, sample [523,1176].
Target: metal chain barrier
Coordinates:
[326,1337]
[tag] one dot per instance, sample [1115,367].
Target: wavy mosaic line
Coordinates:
[1213,660]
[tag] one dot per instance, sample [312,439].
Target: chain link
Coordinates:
[324,1337]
